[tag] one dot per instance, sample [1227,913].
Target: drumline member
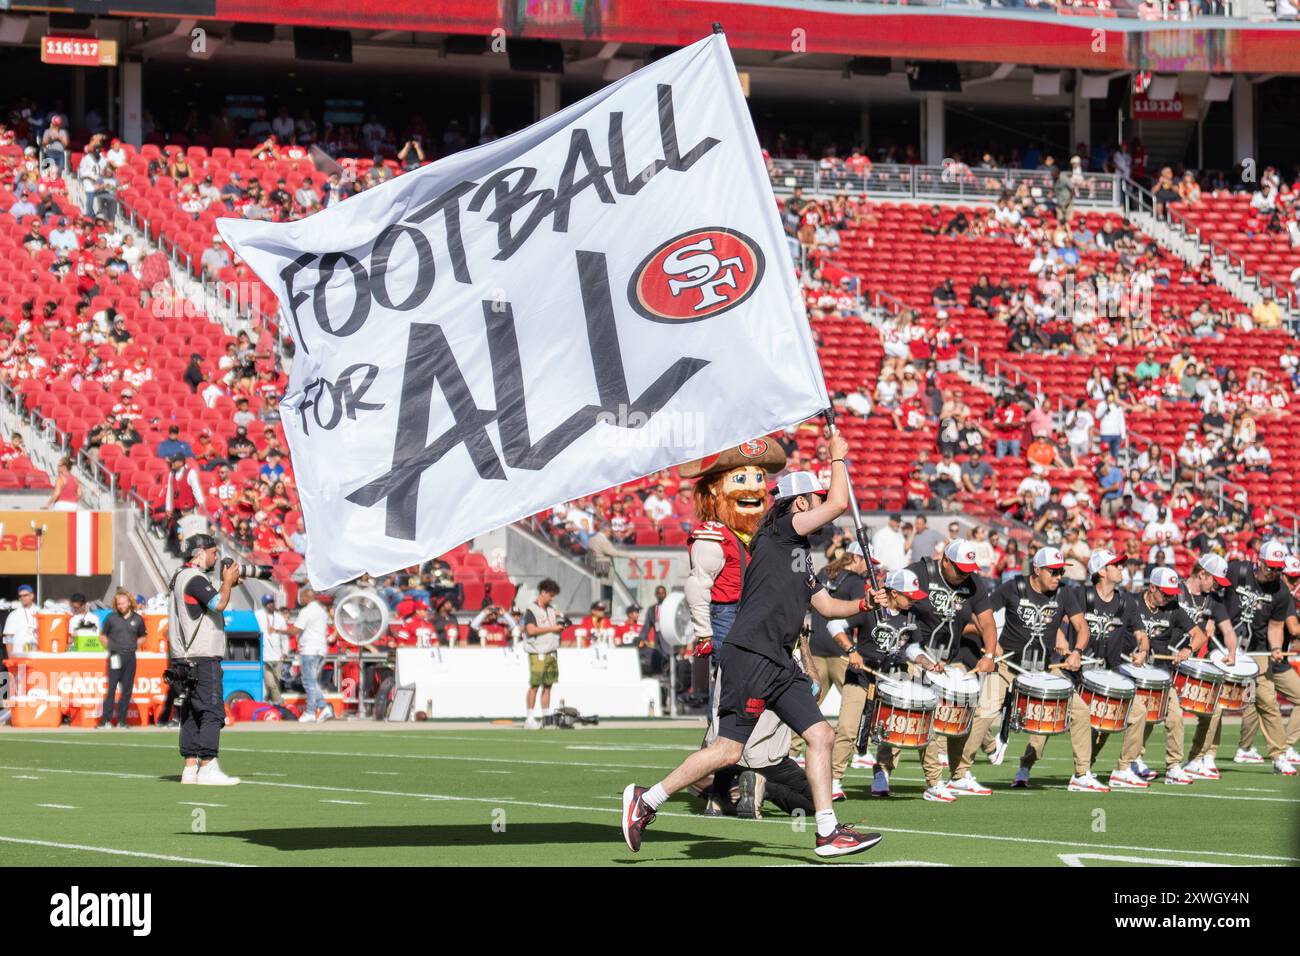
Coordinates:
[834,652]
[1258,605]
[1034,610]
[1170,631]
[756,672]
[1117,636]
[955,628]
[1202,600]
[883,651]
[1291,574]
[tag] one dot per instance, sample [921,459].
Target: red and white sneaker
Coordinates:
[1203,769]
[844,840]
[939,794]
[1177,776]
[636,816]
[1127,780]
[1280,765]
[863,762]
[837,791]
[1247,756]
[1088,783]
[968,786]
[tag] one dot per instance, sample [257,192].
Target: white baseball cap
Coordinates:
[1049,558]
[1216,567]
[904,582]
[962,553]
[855,548]
[1038,469]
[1292,568]
[1102,558]
[1167,580]
[798,483]
[1273,554]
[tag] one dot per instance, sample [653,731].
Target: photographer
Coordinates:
[412,154]
[196,645]
[542,627]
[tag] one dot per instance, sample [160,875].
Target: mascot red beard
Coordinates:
[730,500]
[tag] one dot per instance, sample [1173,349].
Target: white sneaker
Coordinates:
[999,753]
[1247,756]
[1202,769]
[1208,763]
[324,714]
[532,723]
[1291,756]
[190,774]
[307,718]
[1088,783]
[862,762]
[837,791]
[1127,780]
[943,758]
[968,786]
[939,794]
[211,775]
[880,784]
[1177,775]
[1284,767]
[1022,779]
[1140,769]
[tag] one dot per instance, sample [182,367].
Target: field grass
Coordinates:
[500,796]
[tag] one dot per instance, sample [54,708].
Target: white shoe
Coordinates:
[880,784]
[1284,767]
[862,762]
[999,753]
[1291,756]
[837,791]
[939,794]
[1088,783]
[1127,780]
[307,718]
[211,775]
[190,774]
[1177,775]
[1247,756]
[324,714]
[532,723]
[1208,762]
[943,759]
[800,760]
[1022,779]
[968,786]
[1202,770]
[1140,769]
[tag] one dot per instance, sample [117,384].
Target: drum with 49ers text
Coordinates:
[1108,696]
[1040,704]
[958,694]
[1152,689]
[904,714]
[1238,688]
[1198,683]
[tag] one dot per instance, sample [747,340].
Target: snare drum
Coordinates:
[958,694]
[904,714]
[1152,689]
[1238,685]
[1040,704]
[1109,697]
[1198,683]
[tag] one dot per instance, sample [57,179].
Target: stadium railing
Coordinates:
[947,183]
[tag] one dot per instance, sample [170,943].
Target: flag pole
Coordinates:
[829,415]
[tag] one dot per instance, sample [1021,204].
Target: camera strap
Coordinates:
[186,642]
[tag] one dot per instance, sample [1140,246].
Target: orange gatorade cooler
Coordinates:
[52,630]
[155,626]
[37,711]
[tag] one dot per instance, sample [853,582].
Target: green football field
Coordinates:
[500,796]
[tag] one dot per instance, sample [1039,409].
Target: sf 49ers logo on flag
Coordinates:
[697,275]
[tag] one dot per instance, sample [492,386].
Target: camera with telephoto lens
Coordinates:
[564,620]
[255,571]
[566,718]
[181,677]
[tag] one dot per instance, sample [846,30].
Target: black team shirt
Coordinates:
[946,611]
[774,596]
[1168,628]
[1251,605]
[1112,625]
[1031,620]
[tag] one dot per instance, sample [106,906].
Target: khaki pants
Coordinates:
[271,681]
[1209,731]
[1080,740]
[1131,747]
[1173,731]
[1266,714]
[828,671]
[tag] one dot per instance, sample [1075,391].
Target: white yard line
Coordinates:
[114,852]
[350,803]
[56,806]
[193,803]
[504,801]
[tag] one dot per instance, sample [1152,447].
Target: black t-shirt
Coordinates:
[945,612]
[1199,608]
[1031,619]
[1168,628]
[122,634]
[949,434]
[774,596]
[1112,625]
[1251,605]
[845,586]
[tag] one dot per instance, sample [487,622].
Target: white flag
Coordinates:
[601,295]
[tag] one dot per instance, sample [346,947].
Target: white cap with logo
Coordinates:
[1167,580]
[962,553]
[904,582]
[856,549]
[1101,558]
[1273,554]
[1292,568]
[1049,558]
[798,483]
[1216,567]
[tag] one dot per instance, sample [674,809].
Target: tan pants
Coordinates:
[828,671]
[1131,748]
[1266,714]
[1209,731]
[1080,740]
[1173,731]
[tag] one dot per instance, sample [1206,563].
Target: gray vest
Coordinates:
[206,636]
